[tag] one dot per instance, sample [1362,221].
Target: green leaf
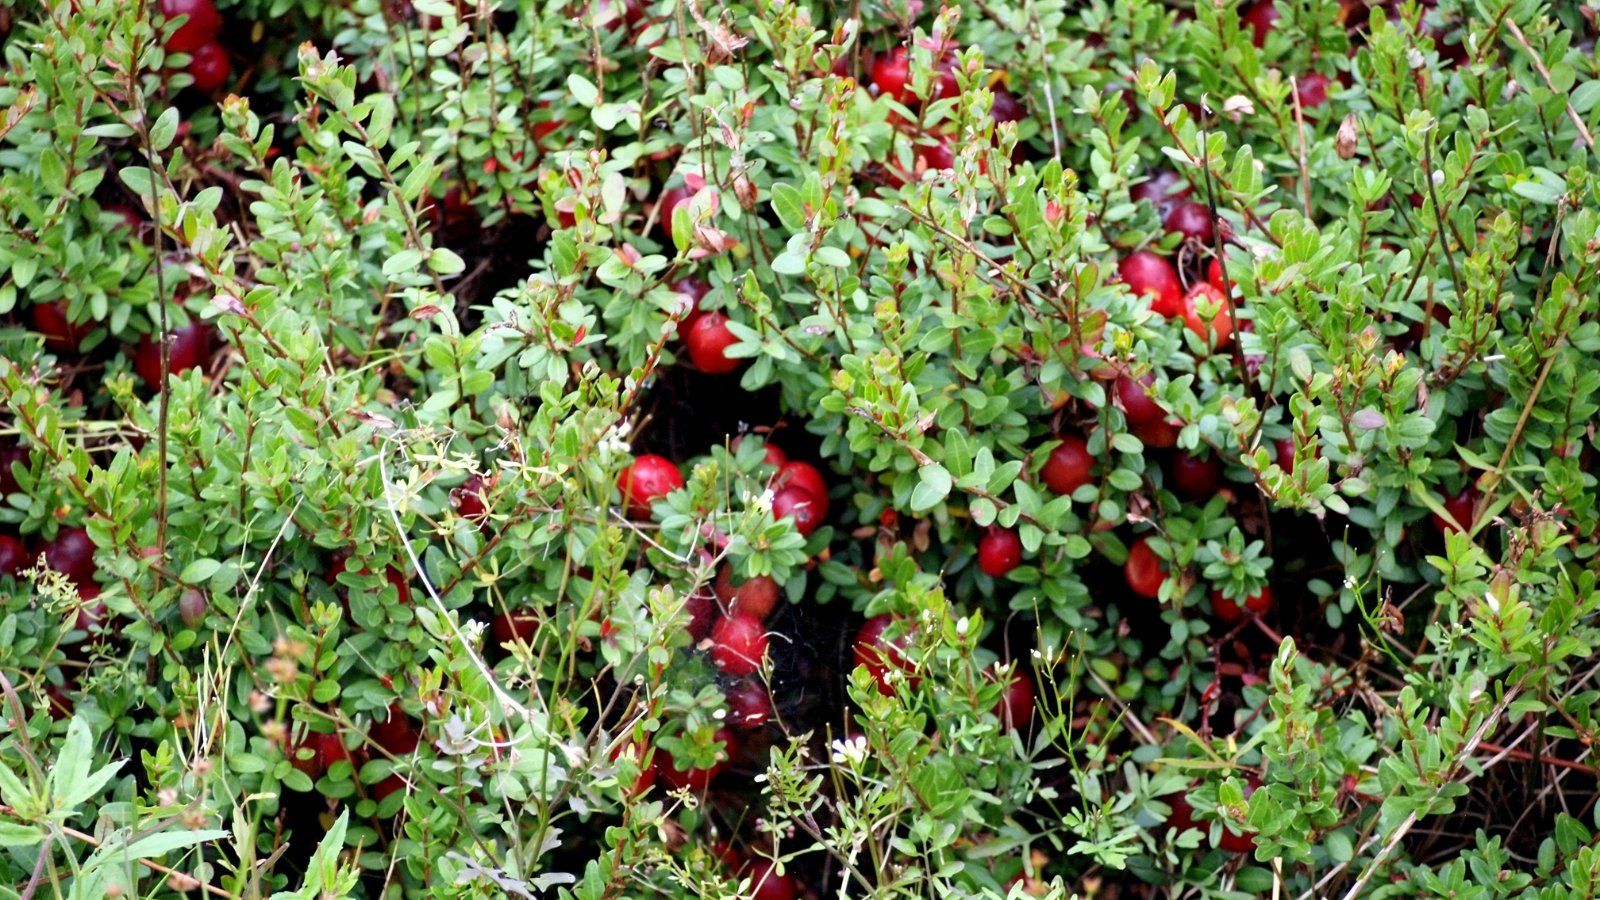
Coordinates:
[790,206]
[160,844]
[583,90]
[933,485]
[444,261]
[16,834]
[164,129]
[199,571]
[402,262]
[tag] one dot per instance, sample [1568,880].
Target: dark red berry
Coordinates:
[1137,405]
[708,341]
[71,554]
[189,348]
[203,23]
[1195,477]
[650,478]
[1147,274]
[1192,220]
[999,552]
[1144,570]
[1069,465]
[739,644]
[209,67]
[799,505]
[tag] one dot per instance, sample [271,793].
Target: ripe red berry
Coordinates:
[880,654]
[708,341]
[671,199]
[1195,477]
[650,478]
[514,627]
[1261,18]
[318,752]
[1192,220]
[1144,570]
[467,499]
[1460,507]
[798,505]
[1006,107]
[1146,273]
[1015,708]
[1163,188]
[209,67]
[803,475]
[1216,277]
[396,733]
[702,610]
[189,348]
[749,705]
[60,333]
[1230,611]
[1069,465]
[1158,435]
[71,554]
[1312,90]
[695,780]
[13,556]
[1205,312]
[999,552]
[738,644]
[1284,448]
[1137,404]
[203,24]
[891,73]
[767,884]
[756,596]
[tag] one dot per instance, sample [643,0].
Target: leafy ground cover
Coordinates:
[1017,448]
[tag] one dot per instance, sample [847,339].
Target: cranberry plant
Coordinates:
[478,448]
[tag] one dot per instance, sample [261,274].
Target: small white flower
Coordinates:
[961,626]
[1438,177]
[763,501]
[761,778]
[1415,59]
[850,751]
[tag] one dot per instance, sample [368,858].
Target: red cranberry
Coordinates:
[999,552]
[190,348]
[1069,465]
[203,23]
[209,67]
[1137,405]
[1146,273]
[1195,477]
[1192,220]
[799,505]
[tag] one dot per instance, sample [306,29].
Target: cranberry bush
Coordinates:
[477,448]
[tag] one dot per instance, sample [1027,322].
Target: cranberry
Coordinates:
[190,347]
[1137,405]
[1192,220]
[515,627]
[209,67]
[803,475]
[1006,107]
[1069,465]
[756,596]
[1230,611]
[1312,90]
[708,341]
[891,73]
[999,552]
[1146,273]
[671,199]
[767,884]
[1195,477]
[701,613]
[61,334]
[467,499]
[1016,703]
[739,644]
[1144,570]
[397,733]
[71,554]
[1261,18]
[192,607]
[1162,189]
[650,478]
[879,654]
[13,556]
[749,705]
[799,505]
[1284,449]
[1460,507]
[203,23]
[1205,312]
